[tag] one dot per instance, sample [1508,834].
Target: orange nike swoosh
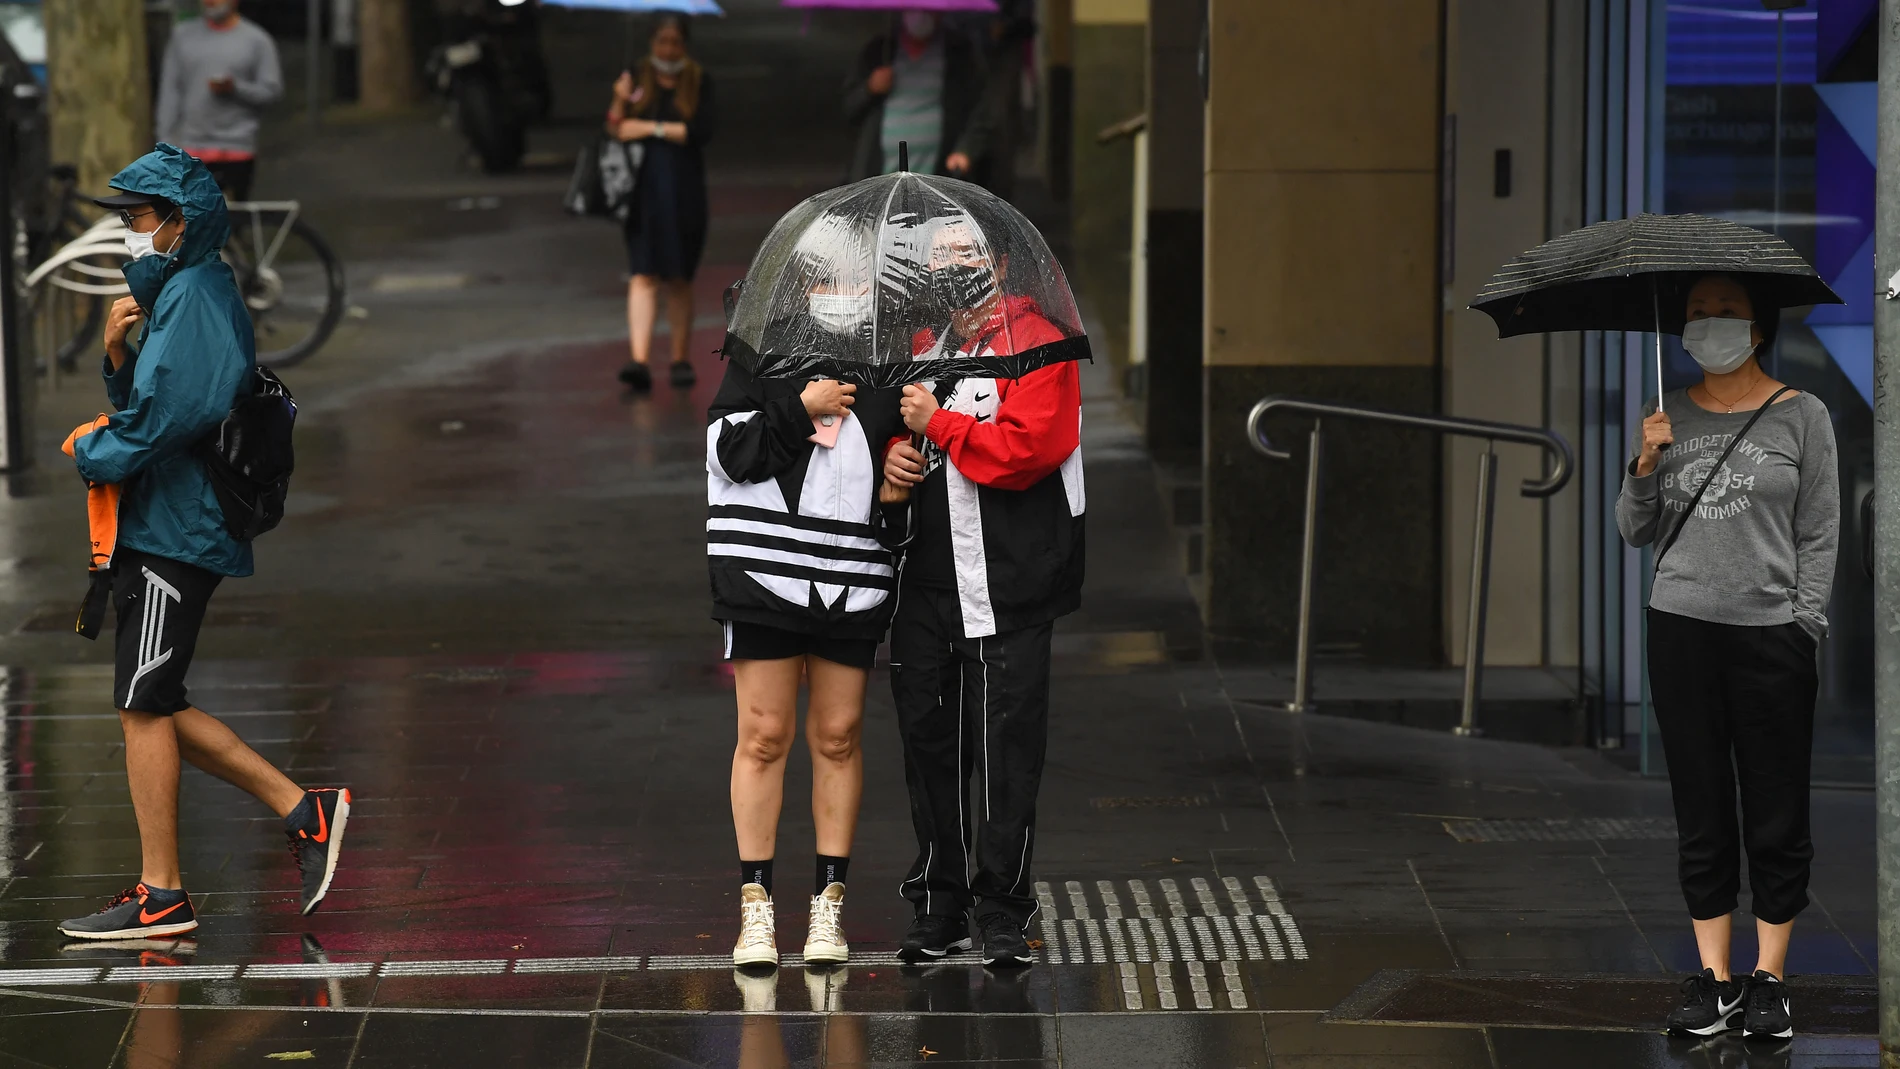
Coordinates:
[148,918]
[323,825]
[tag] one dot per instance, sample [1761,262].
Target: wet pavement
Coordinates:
[487,617]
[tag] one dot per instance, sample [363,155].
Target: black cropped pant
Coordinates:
[1736,709]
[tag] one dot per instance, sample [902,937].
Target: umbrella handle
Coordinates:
[889,493]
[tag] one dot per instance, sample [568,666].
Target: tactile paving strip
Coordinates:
[1584,829]
[1184,950]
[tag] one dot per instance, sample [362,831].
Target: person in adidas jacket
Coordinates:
[804,588]
[993,555]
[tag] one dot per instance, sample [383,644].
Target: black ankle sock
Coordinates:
[830,870]
[759,872]
[304,816]
[164,894]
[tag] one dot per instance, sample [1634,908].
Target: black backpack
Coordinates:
[249,457]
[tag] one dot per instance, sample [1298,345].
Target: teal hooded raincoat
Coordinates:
[194,353]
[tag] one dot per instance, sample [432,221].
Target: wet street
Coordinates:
[487,616]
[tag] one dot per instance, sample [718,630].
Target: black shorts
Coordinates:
[757,642]
[160,605]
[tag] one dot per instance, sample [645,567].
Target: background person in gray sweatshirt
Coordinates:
[220,73]
[1738,605]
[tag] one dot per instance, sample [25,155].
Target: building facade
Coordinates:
[1348,174]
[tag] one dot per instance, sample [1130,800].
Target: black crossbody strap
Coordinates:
[1676,531]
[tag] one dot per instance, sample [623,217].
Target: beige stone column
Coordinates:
[1498,102]
[1322,262]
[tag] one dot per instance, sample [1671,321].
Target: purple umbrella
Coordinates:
[988,6]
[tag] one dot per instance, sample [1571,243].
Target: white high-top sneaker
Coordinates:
[758,937]
[825,944]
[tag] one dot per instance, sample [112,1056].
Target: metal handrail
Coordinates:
[1492,433]
[1468,428]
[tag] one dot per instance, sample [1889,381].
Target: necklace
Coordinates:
[1743,396]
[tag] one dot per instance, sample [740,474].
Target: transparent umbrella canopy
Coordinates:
[903,278]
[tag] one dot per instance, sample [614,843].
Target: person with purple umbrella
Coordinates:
[923,85]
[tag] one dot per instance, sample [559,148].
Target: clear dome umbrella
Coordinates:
[903,278]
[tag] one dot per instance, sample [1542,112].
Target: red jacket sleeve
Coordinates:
[1038,424]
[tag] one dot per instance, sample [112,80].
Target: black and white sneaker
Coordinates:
[1003,941]
[1770,1014]
[136,913]
[1708,1006]
[315,829]
[932,936]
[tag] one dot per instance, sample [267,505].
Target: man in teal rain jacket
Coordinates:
[194,354]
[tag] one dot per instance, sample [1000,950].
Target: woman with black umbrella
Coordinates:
[1735,483]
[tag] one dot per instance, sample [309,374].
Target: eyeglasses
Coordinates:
[128,218]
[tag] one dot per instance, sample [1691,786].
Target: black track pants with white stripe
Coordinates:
[974,716]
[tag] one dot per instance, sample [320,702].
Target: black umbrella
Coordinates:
[1634,274]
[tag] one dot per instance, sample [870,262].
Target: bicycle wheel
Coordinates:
[73,320]
[291,281]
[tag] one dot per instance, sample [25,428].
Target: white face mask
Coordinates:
[141,245]
[841,313]
[921,25]
[1719,345]
[668,67]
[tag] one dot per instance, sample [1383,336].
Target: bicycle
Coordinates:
[292,283]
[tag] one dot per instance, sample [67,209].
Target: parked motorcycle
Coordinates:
[491,71]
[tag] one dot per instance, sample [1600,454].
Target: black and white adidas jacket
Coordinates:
[794,538]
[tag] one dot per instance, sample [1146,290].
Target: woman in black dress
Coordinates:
[666,104]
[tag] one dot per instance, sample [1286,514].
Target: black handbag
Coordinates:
[605,174]
[1676,531]
[250,457]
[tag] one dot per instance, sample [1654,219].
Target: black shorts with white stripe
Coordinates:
[160,604]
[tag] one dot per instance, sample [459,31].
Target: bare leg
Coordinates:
[679,316]
[642,308]
[1711,941]
[157,1039]
[768,715]
[1773,939]
[832,730]
[762,1043]
[151,770]
[207,743]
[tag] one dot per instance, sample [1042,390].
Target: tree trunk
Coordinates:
[100,96]
[387,71]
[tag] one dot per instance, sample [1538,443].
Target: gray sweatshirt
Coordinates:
[1760,548]
[190,115]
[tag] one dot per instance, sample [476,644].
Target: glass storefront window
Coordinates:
[1769,120]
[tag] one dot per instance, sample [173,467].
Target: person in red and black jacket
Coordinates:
[993,555]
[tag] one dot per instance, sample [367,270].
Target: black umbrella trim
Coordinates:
[886,376]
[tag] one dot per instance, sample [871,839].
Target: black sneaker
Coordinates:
[683,376]
[637,377]
[315,830]
[931,936]
[1708,1005]
[1770,1014]
[136,913]
[1003,942]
